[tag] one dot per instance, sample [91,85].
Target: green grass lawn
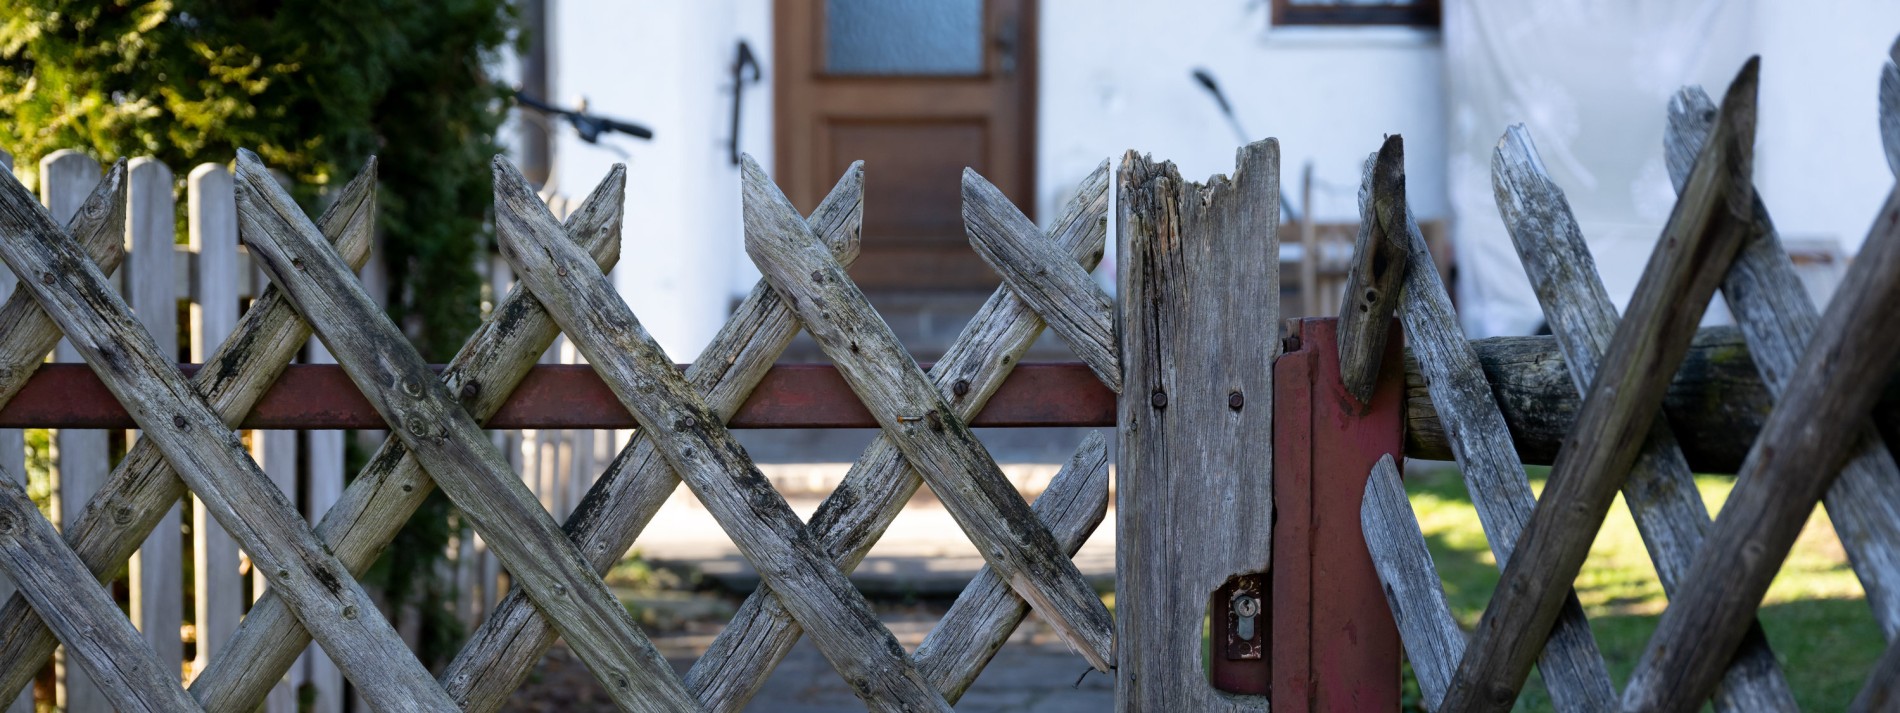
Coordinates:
[1815,614]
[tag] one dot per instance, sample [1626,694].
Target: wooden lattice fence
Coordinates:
[557,589]
[1818,368]
[1243,447]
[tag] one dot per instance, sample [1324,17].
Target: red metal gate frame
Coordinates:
[1335,645]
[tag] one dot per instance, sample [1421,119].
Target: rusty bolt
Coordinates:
[1159,399]
[1235,400]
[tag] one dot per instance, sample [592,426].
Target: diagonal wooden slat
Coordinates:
[143,488]
[84,615]
[761,633]
[503,651]
[1808,435]
[1661,491]
[1042,275]
[704,454]
[1376,278]
[392,485]
[1690,258]
[1778,318]
[1413,591]
[29,333]
[988,610]
[1882,690]
[921,422]
[1890,107]
[1480,440]
[451,446]
[209,457]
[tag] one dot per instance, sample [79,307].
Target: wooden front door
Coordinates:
[917,89]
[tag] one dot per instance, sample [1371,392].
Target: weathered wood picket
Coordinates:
[1816,369]
[1245,448]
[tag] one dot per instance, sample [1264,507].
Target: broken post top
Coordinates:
[1377,273]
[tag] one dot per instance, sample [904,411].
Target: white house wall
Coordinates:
[1115,75]
[664,65]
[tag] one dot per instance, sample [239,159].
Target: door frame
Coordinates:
[798,28]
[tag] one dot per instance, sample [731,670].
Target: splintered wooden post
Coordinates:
[1689,261]
[1795,460]
[143,488]
[1378,272]
[1199,310]
[1661,490]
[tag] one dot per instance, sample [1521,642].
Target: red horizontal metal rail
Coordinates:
[314,396]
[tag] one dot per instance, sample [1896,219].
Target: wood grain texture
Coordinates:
[157,600]
[705,455]
[1041,274]
[80,455]
[1198,303]
[1687,264]
[1881,692]
[1660,490]
[143,488]
[1377,272]
[503,651]
[1716,404]
[217,584]
[1433,641]
[1890,108]
[1778,318]
[1479,440]
[99,226]
[881,482]
[324,479]
[13,460]
[988,611]
[368,514]
[920,421]
[451,446]
[209,457]
[81,612]
[1808,436]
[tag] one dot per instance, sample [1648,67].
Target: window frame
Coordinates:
[1424,14]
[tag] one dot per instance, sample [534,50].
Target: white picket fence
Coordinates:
[211,279]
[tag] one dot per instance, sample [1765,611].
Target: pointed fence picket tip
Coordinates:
[1650,341]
